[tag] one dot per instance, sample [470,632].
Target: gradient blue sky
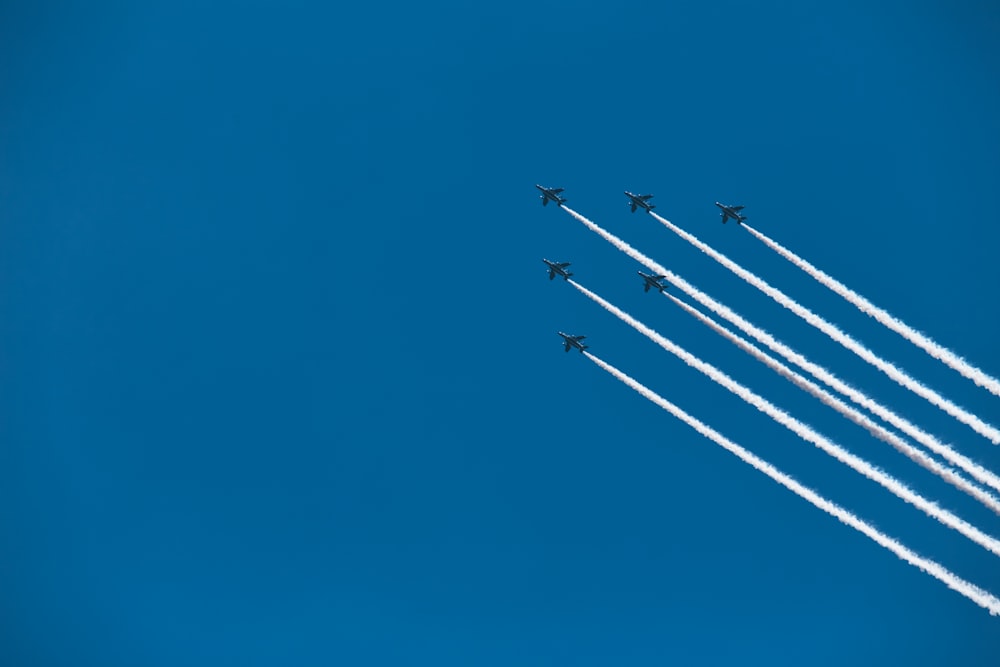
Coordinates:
[281,378]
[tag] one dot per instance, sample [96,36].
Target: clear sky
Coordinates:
[281,379]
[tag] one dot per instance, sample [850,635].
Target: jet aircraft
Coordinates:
[640,201]
[573,341]
[558,268]
[551,194]
[731,212]
[652,281]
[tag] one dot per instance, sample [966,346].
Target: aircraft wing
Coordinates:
[552,274]
[562,265]
[737,208]
[566,349]
[545,200]
[557,190]
[645,288]
[633,207]
[579,337]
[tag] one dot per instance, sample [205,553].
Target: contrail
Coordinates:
[802,430]
[817,371]
[916,455]
[936,350]
[972,421]
[981,597]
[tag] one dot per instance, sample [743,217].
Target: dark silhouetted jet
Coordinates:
[640,201]
[573,341]
[652,281]
[551,194]
[731,212]
[558,268]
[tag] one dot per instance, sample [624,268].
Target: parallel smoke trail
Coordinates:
[981,597]
[817,371]
[916,455]
[936,350]
[972,421]
[803,431]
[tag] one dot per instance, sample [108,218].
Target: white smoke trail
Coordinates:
[902,378]
[981,597]
[917,455]
[802,430]
[926,439]
[936,350]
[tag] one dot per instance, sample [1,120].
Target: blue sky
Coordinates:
[282,383]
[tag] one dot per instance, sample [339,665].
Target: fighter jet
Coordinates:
[573,341]
[551,194]
[640,201]
[653,281]
[558,268]
[731,212]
